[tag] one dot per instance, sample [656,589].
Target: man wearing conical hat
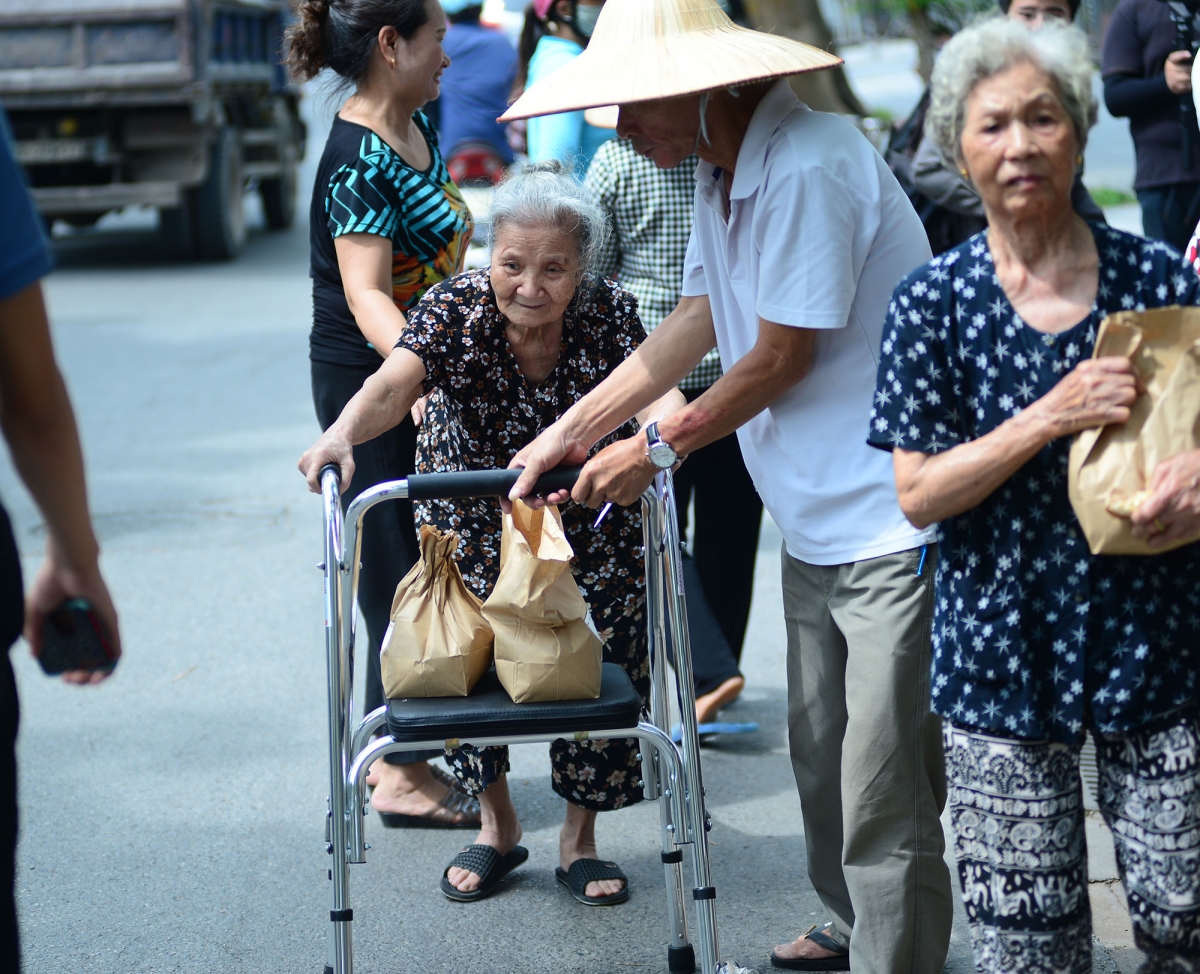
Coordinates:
[801,233]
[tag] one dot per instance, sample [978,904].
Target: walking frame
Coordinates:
[670,773]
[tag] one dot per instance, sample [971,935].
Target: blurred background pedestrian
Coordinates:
[39,427]
[556,32]
[474,93]
[1146,67]
[651,214]
[947,202]
[386,223]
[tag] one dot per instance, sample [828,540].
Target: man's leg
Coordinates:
[10,948]
[1150,796]
[892,771]
[816,667]
[1017,812]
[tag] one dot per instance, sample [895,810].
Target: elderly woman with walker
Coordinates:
[503,352]
[985,373]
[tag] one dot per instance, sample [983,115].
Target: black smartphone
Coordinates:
[75,639]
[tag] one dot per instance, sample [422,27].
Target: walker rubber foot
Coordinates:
[681,960]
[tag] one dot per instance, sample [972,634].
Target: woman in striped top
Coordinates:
[386,223]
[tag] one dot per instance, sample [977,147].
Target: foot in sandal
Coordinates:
[814,950]
[709,704]
[410,795]
[501,830]
[577,843]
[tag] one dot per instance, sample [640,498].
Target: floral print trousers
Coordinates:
[1017,813]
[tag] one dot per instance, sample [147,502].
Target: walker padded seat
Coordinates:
[490,712]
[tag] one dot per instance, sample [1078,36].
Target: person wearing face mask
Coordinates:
[556,32]
[386,224]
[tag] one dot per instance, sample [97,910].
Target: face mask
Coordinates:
[585,20]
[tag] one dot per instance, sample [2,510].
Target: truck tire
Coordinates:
[175,228]
[220,219]
[279,195]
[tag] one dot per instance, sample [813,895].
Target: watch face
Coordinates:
[661,455]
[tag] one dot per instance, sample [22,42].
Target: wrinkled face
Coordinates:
[1018,143]
[535,271]
[1034,13]
[420,60]
[664,131]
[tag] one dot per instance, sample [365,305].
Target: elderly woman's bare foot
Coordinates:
[577,840]
[709,704]
[501,830]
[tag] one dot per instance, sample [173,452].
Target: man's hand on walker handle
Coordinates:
[619,473]
[333,448]
[1172,511]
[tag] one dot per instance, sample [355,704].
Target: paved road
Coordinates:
[173,818]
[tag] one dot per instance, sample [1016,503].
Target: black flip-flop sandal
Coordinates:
[486,863]
[584,871]
[818,937]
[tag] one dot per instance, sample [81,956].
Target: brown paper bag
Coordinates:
[1109,467]
[545,647]
[438,643]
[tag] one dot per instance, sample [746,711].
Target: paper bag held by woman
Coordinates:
[545,647]
[1110,468]
[438,643]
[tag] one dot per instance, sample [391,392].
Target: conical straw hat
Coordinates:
[647,49]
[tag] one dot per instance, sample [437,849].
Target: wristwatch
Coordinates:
[659,450]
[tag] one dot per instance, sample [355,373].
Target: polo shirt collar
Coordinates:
[772,110]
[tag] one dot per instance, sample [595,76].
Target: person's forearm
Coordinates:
[1125,95]
[660,363]
[780,359]
[658,410]
[378,318]
[933,487]
[384,399]
[39,426]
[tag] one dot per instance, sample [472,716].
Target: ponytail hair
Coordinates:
[341,34]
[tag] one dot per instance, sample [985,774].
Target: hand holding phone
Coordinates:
[74,639]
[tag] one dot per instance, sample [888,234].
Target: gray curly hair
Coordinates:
[993,45]
[547,194]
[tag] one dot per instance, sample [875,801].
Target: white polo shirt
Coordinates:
[819,234]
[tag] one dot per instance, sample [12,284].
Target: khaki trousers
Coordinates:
[867,754]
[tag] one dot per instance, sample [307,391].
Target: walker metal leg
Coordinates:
[339,645]
[661,782]
[663,548]
[681,958]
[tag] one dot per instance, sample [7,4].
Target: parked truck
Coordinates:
[176,104]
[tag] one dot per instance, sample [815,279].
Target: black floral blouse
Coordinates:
[481,411]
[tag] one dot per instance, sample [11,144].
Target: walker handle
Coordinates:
[485,483]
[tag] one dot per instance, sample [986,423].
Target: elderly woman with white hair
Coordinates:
[985,373]
[503,353]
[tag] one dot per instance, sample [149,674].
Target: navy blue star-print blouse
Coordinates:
[1033,636]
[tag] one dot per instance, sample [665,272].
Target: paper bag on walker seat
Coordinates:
[545,647]
[438,643]
[1110,468]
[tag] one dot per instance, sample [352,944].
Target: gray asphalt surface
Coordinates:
[173,817]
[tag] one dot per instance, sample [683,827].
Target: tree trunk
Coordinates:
[822,91]
[923,35]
